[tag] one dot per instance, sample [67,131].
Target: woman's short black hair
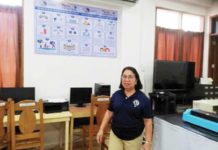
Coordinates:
[138,85]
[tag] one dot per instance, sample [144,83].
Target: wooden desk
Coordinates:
[57,118]
[61,117]
[78,112]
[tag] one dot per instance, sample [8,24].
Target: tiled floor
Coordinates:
[78,141]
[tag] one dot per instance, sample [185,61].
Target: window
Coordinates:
[179,20]
[192,23]
[179,37]
[168,19]
[11,2]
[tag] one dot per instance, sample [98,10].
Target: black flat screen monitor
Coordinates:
[173,75]
[80,95]
[102,89]
[17,94]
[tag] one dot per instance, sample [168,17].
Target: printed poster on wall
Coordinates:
[70,29]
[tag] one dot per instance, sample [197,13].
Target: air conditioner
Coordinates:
[119,1]
[122,2]
[132,1]
[104,2]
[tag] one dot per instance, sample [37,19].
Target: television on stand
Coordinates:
[173,75]
[177,77]
[80,96]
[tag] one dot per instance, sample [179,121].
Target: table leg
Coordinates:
[67,135]
[61,134]
[71,133]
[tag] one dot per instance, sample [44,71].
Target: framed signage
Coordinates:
[70,29]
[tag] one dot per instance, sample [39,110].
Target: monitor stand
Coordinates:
[80,105]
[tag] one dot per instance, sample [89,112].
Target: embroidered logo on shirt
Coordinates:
[136,103]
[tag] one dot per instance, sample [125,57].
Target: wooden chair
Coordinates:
[99,106]
[29,123]
[5,129]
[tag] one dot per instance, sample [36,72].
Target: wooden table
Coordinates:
[78,112]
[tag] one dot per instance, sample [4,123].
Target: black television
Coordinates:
[17,93]
[173,75]
[80,95]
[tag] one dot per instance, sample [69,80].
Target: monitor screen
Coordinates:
[80,95]
[102,89]
[17,94]
[173,75]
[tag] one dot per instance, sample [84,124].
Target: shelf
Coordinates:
[214,34]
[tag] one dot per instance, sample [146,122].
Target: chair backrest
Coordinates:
[99,106]
[5,128]
[30,134]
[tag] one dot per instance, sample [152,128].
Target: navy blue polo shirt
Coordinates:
[128,114]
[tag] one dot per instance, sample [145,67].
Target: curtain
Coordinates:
[192,49]
[177,45]
[10,46]
[167,44]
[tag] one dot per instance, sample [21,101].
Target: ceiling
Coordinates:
[203,3]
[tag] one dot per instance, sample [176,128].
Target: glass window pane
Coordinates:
[11,2]
[168,19]
[192,23]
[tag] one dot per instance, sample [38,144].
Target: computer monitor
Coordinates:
[80,95]
[102,89]
[17,93]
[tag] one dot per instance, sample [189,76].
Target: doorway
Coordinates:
[213,59]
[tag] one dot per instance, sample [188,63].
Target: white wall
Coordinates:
[214,10]
[53,75]
[204,3]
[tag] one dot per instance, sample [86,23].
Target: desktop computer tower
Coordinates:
[102,89]
[163,102]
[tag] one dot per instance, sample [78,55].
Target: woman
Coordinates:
[130,113]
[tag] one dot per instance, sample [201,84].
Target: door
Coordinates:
[213,59]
